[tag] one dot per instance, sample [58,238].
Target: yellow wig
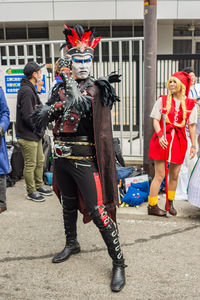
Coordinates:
[182,89]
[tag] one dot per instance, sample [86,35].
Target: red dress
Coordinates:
[176,137]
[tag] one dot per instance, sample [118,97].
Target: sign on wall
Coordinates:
[10,78]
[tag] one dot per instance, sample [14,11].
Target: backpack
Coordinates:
[17,163]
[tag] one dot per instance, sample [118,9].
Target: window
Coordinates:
[182,46]
[182,32]
[1,34]
[15,33]
[103,31]
[38,32]
[138,31]
[122,31]
[197,32]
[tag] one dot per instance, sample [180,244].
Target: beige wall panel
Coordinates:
[167,9]
[165,39]
[78,10]
[25,12]
[130,10]
[189,9]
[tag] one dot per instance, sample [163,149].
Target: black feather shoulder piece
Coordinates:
[108,93]
[40,117]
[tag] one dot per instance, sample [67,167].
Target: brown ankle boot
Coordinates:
[172,210]
[156,211]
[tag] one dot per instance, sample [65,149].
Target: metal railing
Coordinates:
[123,55]
[169,64]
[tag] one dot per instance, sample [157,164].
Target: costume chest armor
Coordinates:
[68,122]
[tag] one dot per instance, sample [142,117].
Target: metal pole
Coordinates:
[150,51]
[131,94]
[121,96]
[141,94]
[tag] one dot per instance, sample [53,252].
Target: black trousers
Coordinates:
[72,175]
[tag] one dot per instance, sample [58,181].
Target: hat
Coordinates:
[79,41]
[31,67]
[188,70]
[185,78]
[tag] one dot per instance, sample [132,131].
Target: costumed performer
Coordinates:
[180,109]
[84,162]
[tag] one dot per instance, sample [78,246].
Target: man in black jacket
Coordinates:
[29,140]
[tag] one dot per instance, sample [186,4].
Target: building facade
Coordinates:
[178,20]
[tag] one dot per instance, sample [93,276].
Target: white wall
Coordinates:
[52,10]
[165,39]
[12,11]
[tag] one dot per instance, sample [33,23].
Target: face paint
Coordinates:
[81,66]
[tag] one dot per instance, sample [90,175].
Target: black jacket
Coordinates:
[27,100]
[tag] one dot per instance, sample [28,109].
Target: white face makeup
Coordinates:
[81,66]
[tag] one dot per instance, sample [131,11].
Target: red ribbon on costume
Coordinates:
[164,112]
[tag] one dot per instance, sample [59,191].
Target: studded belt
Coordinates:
[63,150]
[78,138]
[74,143]
[81,157]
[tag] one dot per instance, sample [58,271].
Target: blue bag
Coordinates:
[49,176]
[124,172]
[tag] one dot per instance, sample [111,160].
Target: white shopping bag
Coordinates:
[135,179]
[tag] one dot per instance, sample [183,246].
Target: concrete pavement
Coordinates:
[162,254]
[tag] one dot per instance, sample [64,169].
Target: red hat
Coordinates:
[185,78]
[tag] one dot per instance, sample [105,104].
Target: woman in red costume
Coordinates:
[180,110]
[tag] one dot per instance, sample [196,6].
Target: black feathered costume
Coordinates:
[84,154]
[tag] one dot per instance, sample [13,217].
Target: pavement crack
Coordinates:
[162,235]
[138,241]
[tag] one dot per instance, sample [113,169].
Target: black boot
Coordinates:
[110,237]
[118,276]
[71,247]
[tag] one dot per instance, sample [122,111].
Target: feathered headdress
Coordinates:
[79,40]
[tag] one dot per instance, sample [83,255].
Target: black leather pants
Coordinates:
[83,175]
